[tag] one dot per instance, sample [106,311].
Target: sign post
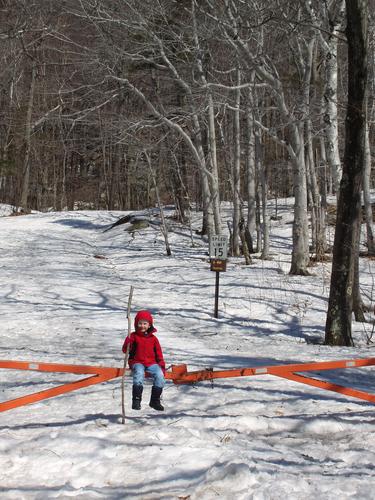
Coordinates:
[218,251]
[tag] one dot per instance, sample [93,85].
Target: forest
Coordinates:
[122,105]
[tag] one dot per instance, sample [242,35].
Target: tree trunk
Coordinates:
[300,252]
[366,196]
[317,208]
[26,162]
[245,249]
[236,172]
[330,115]
[163,227]
[250,178]
[358,306]
[263,194]
[340,306]
[213,179]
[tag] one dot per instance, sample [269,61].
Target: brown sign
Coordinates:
[218,265]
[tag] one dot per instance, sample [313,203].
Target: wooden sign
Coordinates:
[218,265]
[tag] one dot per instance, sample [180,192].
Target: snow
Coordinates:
[64,290]
[5,210]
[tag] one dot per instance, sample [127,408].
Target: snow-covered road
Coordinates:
[64,289]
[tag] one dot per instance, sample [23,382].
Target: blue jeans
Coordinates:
[138,371]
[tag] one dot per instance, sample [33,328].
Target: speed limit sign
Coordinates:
[218,247]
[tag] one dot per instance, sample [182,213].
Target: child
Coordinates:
[145,354]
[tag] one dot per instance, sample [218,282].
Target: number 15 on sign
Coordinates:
[218,247]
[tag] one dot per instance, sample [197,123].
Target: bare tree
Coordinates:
[250,172]
[345,251]
[328,18]
[370,120]
[267,72]
[367,197]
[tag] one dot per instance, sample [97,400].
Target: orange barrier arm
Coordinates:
[328,386]
[50,393]
[60,368]
[180,375]
[98,374]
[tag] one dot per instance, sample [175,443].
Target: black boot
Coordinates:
[137,397]
[155,398]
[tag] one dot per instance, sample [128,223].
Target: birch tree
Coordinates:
[328,18]
[237,168]
[250,171]
[267,72]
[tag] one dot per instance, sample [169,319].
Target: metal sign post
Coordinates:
[218,252]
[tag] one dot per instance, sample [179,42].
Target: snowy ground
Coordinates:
[258,438]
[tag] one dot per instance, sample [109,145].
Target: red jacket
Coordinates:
[145,349]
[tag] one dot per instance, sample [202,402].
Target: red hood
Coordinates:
[146,316]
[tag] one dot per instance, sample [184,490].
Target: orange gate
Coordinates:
[180,375]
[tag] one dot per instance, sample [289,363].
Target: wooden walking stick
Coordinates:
[126,357]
